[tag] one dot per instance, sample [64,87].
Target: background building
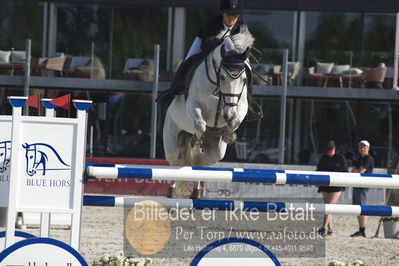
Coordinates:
[356,33]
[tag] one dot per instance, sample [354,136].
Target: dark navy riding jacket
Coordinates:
[213,28]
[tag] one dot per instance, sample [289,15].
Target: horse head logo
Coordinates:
[38,155]
[5,155]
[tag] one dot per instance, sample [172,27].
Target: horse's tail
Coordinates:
[196,155]
[183,144]
[54,151]
[190,156]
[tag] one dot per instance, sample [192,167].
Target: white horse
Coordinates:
[198,128]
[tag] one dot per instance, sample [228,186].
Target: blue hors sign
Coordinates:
[42,162]
[38,155]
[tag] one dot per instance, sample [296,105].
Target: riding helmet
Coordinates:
[231,6]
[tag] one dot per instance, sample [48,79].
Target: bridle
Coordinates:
[218,92]
[233,74]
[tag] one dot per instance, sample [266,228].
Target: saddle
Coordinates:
[185,73]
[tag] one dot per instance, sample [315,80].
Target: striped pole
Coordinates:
[335,179]
[231,205]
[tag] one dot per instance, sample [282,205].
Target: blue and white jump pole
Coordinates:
[245,175]
[231,205]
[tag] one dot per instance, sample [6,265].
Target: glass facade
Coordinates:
[196,18]
[114,34]
[20,20]
[379,36]
[273,30]
[347,122]
[330,37]
[121,126]
[136,30]
[120,121]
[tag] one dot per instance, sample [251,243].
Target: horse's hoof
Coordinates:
[171,193]
[196,193]
[229,138]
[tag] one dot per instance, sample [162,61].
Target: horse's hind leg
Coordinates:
[197,190]
[177,153]
[171,147]
[213,150]
[196,161]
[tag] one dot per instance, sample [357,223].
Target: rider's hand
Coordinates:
[210,43]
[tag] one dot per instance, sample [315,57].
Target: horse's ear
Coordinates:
[245,54]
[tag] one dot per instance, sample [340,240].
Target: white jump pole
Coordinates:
[248,175]
[250,206]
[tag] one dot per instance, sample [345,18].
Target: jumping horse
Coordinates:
[199,125]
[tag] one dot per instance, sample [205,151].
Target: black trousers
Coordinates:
[184,74]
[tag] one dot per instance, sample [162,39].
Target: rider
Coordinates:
[205,41]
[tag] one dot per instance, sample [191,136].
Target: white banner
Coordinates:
[5,156]
[47,166]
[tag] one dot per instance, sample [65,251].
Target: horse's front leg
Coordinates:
[241,110]
[232,123]
[195,114]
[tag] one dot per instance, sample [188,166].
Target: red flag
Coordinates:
[63,102]
[34,101]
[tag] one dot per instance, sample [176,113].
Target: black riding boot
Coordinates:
[177,87]
[166,97]
[179,80]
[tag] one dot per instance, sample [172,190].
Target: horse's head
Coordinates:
[232,80]
[232,76]
[5,154]
[230,60]
[30,155]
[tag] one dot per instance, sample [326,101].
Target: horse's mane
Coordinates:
[241,40]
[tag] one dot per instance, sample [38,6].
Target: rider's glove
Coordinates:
[210,43]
